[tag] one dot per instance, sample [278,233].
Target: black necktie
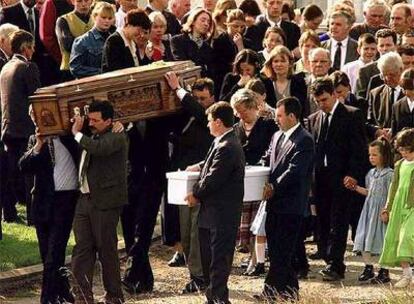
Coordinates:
[31,22]
[337,58]
[279,145]
[324,129]
[392,97]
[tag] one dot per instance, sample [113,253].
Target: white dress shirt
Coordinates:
[334,44]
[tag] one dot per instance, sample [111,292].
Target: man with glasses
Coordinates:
[381,99]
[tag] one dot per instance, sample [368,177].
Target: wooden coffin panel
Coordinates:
[136,94]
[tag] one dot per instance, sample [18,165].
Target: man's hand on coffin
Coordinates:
[191,200]
[172,80]
[117,127]
[193,168]
[77,123]
[40,140]
[268,191]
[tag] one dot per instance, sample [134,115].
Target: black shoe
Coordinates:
[367,274]
[328,274]
[257,270]
[177,260]
[194,286]
[317,256]
[245,263]
[136,288]
[383,277]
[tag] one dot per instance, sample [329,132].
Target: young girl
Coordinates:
[399,210]
[371,231]
[273,37]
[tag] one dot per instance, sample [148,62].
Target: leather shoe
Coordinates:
[328,274]
[194,286]
[383,277]
[136,288]
[257,270]
[177,260]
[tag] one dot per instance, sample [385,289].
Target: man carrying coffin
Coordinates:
[219,191]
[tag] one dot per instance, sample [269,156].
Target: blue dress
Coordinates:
[370,233]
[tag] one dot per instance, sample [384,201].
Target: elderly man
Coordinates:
[386,42]
[272,17]
[343,49]
[320,62]
[400,20]
[381,99]
[179,8]
[375,12]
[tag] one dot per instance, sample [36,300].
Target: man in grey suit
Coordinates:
[19,79]
[103,186]
[219,191]
[343,48]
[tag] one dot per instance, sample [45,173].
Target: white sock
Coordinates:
[407,272]
[260,252]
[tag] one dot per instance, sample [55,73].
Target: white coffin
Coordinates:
[180,183]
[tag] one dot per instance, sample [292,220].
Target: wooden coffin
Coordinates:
[136,93]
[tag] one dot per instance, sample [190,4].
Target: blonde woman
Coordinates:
[158,46]
[279,68]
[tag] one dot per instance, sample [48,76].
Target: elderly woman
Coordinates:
[254,133]
[86,55]
[307,41]
[159,47]
[193,43]
[245,67]
[279,68]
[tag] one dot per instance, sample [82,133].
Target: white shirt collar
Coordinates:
[343,42]
[289,132]
[410,104]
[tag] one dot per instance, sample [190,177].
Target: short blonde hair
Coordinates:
[235,15]
[103,9]
[157,17]
[279,50]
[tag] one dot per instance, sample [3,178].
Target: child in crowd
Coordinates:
[367,50]
[399,211]
[273,37]
[371,230]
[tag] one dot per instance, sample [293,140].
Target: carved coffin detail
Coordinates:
[136,93]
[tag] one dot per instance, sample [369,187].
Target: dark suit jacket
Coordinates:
[220,187]
[357,102]
[230,86]
[183,48]
[299,90]
[257,143]
[380,109]
[362,28]
[107,169]
[402,117]
[173,25]
[375,82]
[256,33]
[40,165]
[345,146]
[351,49]
[116,55]
[190,142]
[364,76]
[291,172]
[3,59]
[18,80]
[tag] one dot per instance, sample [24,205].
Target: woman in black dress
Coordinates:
[245,67]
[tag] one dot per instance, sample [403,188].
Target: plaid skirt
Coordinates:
[244,235]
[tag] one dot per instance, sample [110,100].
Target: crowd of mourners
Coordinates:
[278,69]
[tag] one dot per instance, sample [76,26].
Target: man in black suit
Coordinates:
[290,156]
[19,79]
[219,191]
[25,15]
[382,99]
[53,161]
[173,25]
[272,17]
[343,49]
[339,132]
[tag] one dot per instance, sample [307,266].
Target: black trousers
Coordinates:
[333,205]
[217,251]
[146,204]
[300,261]
[282,232]
[53,237]
[16,188]
[3,179]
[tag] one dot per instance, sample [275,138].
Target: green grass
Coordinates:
[19,247]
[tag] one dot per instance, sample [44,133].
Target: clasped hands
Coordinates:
[190,198]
